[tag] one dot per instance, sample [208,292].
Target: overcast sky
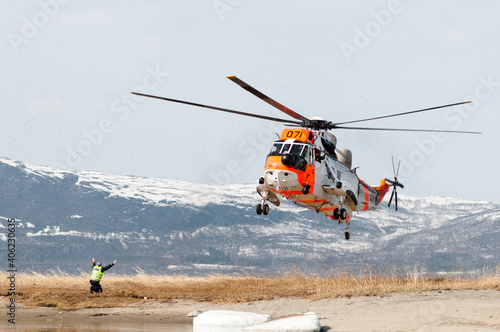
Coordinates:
[68,67]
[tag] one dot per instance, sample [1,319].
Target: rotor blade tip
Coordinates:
[230,76]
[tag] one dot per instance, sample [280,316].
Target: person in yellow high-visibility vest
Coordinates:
[96,276]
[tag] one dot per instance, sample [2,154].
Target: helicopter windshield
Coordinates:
[296,149]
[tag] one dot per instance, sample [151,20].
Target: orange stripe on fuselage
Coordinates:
[314,201]
[309,201]
[367,198]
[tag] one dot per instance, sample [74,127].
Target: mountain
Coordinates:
[65,218]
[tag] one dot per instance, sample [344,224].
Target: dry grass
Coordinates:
[58,289]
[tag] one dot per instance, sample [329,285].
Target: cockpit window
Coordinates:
[286,148]
[296,149]
[276,149]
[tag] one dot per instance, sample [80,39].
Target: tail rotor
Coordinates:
[395,183]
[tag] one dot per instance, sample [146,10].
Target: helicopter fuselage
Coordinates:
[305,167]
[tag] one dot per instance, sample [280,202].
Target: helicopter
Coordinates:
[306,167]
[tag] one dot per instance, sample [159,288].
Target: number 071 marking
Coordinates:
[297,134]
[302,135]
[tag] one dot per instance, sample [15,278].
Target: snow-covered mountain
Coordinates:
[65,218]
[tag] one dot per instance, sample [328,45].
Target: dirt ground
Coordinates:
[454,310]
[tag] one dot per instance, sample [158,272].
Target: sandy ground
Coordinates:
[427,311]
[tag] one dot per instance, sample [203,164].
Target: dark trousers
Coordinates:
[95,286]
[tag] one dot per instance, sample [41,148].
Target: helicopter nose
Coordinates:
[282,180]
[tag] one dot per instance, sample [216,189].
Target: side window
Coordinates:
[310,155]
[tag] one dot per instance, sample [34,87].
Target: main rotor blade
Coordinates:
[417,130]
[267,99]
[404,113]
[220,109]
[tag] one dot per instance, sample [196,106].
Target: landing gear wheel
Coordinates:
[343,214]
[258,209]
[346,232]
[265,209]
[336,214]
